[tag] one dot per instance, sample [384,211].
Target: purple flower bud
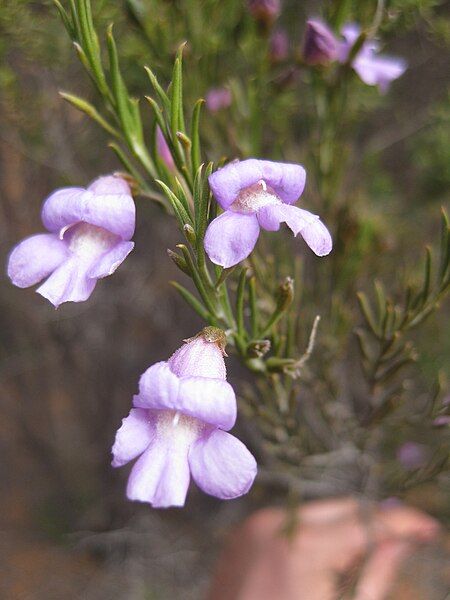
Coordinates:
[254,194]
[412,455]
[164,150]
[90,232]
[320,45]
[178,428]
[265,11]
[279,46]
[218,99]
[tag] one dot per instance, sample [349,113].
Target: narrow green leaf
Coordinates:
[90,43]
[254,313]
[163,97]
[119,89]
[195,136]
[127,164]
[197,279]
[381,300]
[181,194]
[445,245]
[65,19]
[182,216]
[427,276]
[240,298]
[90,111]
[367,312]
[192,301]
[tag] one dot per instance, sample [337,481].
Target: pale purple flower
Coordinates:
[412,455]
[164,150]
[217,99]
[254,194]
[279,46]
[442,421]
[371,68]
[90,231]
[178,427]
[265,11]
[320,45]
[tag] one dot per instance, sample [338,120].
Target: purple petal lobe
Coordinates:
[210,400]
[69,283]
[110,260]
[287,180]
[230,238]
[158,388]
[310,227]
[109,184]
[198,358]
[381,71]
[221,465]
[161,475]
[35,258]
[110,210]
[133,437]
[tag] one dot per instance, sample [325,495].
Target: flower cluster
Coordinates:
[322,47]
[178,427]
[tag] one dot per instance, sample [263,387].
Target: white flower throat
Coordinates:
[89,241]
[251,199]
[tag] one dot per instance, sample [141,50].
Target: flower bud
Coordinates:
[285,294]
[164,150]
[278,46]
[265,11]
[258,348]
[179,261]
[320,46]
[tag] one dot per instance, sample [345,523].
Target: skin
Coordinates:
[337,546]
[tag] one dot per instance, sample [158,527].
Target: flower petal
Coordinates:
[161,475]
[287,180]
[108,262]
[381,71]
[109,184]
[158,388]
[68,283]
[198,358]
[108,206]
[310,227]
[221,465]
[210,400]
[230,238]
[35,258]
[133,437]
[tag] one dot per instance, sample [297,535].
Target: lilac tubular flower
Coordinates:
[278,46]
[164,150]
[371,68]
[254,194]
[217,99]
[90,231]
[320,46]
[178,427]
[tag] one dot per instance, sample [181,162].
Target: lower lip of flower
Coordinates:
[251,199]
